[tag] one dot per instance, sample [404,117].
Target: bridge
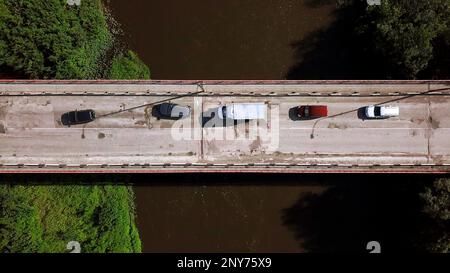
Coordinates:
[128,136]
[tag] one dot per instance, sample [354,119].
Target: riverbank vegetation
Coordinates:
[49,39]
[128,66]
[45,218]
[404,33]
[399,39]
[436,199]
[403,213]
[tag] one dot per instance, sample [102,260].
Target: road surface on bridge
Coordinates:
[32,136]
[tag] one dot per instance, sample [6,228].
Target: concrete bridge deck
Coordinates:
[128,137]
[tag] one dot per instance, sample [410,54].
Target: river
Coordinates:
[250,39]
[205,39]
[218,213]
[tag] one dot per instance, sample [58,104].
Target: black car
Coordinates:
[77,117]
[172,110]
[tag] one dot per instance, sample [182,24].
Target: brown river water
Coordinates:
[204,39]
[256,39]
[215,213]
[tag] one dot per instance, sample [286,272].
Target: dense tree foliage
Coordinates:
[128,67]
[19,224]
[45,218]
[437,206]
[437,200]
[401,32]
[50,39]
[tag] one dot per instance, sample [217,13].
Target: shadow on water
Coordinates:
[439,66]
[361,209]
[326,213]
[8,73]
[336,52]
[318,3]
[165,179]
[339,53]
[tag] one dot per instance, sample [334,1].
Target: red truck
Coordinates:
[312,111]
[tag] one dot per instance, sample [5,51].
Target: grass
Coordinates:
[128,67]
[45,218]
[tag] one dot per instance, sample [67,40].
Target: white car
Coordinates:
[375,111]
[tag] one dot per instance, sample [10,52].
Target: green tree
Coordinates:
[50,39]
[128,67]
[437,200]
[19,224]
[402,32]
[44,218]
[437,205]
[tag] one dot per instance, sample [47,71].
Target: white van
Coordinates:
[243,111]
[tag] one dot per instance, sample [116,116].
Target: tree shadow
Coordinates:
[318,3]
[336,52]
[361,209]
[439,66]
[9,73]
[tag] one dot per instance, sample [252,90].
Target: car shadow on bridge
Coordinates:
[350,214]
